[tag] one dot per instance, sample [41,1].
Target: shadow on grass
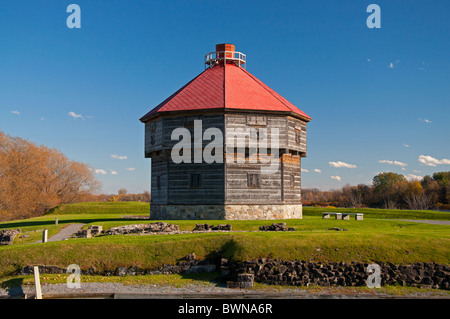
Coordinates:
[216,277]
[31,223]
[13,287]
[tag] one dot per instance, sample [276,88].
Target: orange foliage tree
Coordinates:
[36,178]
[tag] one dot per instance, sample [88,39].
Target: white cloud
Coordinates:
[397,163]
[425,120]
[119,157]
[368,60]
[411,177]
[304,170]
[431,161]
[100,171]
[113,172]
[15,112]
[341,164]
[403,169]
[393,65]
[130,169]
[405,145]
[338,178]
[317,170]
[42,118]
[76,116]
[416,171]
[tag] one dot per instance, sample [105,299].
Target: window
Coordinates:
[298,136]
[292,180]
[253,180]
[256,120]
[152,139]
[195,180]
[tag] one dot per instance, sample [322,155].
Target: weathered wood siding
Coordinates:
[276,187]
[230,182]
[291,178]
[177,188]
[153,136]
[159,190]
[296,135]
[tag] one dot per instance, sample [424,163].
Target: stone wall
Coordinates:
[263,212]
[225,212]
[303,273]
[291,273]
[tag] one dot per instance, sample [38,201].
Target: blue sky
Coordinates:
[374,94]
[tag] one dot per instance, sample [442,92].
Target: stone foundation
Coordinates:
[225,212]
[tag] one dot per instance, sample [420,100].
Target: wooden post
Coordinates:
[37,283]
[56,221]
[44,235]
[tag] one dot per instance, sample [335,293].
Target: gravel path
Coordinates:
[64,233]
[434,222]
[121,291]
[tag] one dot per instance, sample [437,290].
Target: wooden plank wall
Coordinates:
[275,188]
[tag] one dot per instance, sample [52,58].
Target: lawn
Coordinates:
[382,239]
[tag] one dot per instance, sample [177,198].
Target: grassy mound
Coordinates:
[130,208]
[378,238]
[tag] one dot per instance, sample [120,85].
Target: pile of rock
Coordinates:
[303,273]
[338,229]
[207,227]
[7,236]
[276,227]
[242,281]
[90,232]
[158,227]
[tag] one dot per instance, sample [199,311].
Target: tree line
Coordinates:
[35,178]
[388,190]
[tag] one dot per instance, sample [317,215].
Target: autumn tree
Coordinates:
[388,188]
[36,178]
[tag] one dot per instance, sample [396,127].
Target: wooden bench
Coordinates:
[345,216]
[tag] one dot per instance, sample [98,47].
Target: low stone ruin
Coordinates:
[242,281]
[207,227]
[158,227]
[83,233]
[304,273]
[338,229]
[95,230]
[92,230]
[276,227]
[7,236]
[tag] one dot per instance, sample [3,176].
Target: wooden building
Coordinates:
[226,97]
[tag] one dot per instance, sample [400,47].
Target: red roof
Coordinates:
[228,87]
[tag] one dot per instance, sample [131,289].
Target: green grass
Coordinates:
[125,208]
[378,238]
[381,213]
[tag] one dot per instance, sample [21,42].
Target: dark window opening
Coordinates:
[195,180]
[253,180]
[292,180]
